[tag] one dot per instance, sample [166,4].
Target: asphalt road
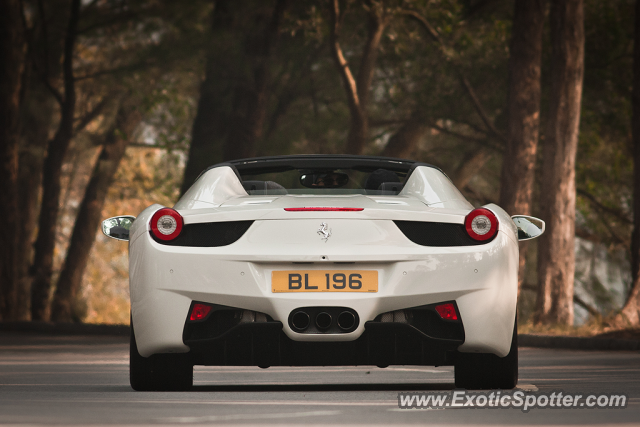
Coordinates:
[84,381]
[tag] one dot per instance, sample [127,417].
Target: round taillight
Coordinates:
[166,224]
[481,224]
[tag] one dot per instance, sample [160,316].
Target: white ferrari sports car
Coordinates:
[319,260]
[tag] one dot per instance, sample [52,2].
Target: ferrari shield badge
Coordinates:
[324,231]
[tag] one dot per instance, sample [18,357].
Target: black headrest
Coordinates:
[391,187]
[254,185]
[378,177]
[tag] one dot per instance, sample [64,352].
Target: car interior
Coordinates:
[378,182]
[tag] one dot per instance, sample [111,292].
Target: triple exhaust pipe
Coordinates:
[319,320]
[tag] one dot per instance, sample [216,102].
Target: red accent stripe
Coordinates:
[323,209]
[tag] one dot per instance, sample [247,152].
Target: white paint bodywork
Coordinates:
[481,279]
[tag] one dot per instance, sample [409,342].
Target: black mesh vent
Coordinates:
[208,234]
[437,233]
[431,324]
[426,319]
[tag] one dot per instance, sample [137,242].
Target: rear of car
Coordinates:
[299,261]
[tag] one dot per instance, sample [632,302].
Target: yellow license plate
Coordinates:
[324,281]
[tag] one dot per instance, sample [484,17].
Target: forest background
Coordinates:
[108,106]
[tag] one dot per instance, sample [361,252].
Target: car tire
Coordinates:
[488,371]
[159,372]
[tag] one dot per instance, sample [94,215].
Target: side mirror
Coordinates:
[529,227]
[118,227]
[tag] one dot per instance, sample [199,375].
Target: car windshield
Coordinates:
[325,181]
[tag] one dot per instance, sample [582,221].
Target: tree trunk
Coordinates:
[57,148]
[630,314]
[89,215]
[11,67]
[209,129]
[36,119]
[523,106]
[357,91]
[210,124]
[556,257]
[38,111]
[405,141]
[219,134]
[250,103]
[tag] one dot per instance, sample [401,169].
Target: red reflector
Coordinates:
[447,311]
[199,311]
[323,209]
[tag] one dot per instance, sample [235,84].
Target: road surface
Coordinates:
[83,380]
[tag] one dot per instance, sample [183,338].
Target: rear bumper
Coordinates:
[482,280]
[265,344]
